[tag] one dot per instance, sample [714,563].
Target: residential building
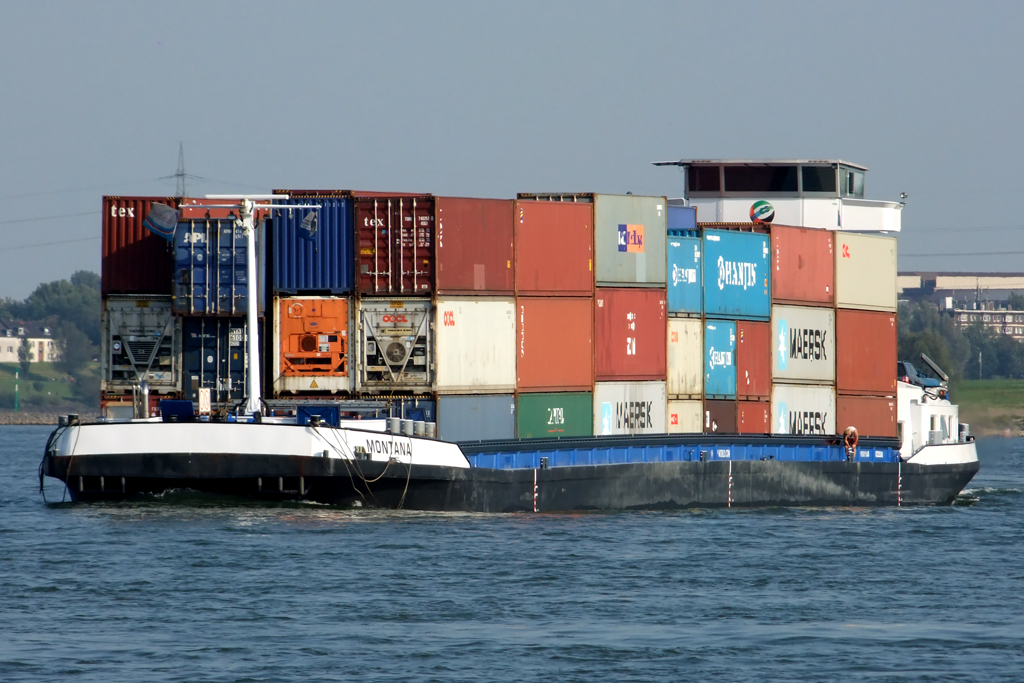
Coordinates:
[41,345]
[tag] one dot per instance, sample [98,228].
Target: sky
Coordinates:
[493,98]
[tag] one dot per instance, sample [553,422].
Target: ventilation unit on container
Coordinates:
[311,340]
[395,345]
[141,341]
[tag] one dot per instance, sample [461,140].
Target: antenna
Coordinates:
[180,176]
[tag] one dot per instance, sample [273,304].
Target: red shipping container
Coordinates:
[871,415]
[554,248]
[195,208]
[865,352]
[394,245]
[554,344]
[720,417]
[803,266]
[474,246]
[630,340]
[134,260]
[754,417]
[753,360]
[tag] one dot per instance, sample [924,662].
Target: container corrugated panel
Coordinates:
[685,358]
[141,341]
[475,345]
[720,417]
[310,263]
[474,246]
[629,334]
[865,271]
[866,353]
[394,345]
[210,269]
[554,248]
[311,345]
[685,417]
[753,369]
[682,217]
[549,415]
[753,417]
[554,344]
[134,260]
[394,245]
[214,358]
[870,415]
[685,278]
[629,408]
[803,266]
[803,409]
[737,274]
[804,345]
[719,359]
[476,417]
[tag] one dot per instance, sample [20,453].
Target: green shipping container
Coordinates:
[541,416]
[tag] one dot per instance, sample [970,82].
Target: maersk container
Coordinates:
[474,246]
[141,341]
[629,334]
[685,358]
[865,271]
[476,417]
[685,417]
[803,409]
[475,345]
[555,343]
[134,260]
[550,415]
[737,274]
[629,408]
[394,238]
[210,269]
[804,345]
[214,358]
[681,218]
[684,276]
[315,258]
[719,359]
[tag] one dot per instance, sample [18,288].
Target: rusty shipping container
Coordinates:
[803,266]
[629,334]
[394,245]
[753,417]
[865,352]
[753,360]
[554,248]
[474,246]
[720,417]
[871,415]
[554,344]
[134,260]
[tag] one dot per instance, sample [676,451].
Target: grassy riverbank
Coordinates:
[991,406]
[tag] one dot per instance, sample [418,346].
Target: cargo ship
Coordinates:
[554,352]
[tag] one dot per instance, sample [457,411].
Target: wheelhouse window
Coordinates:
[704,179]
[853,182]
[818,178]
[760,179]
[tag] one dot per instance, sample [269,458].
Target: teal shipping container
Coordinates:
[737,275]
[684,275]
[719,359]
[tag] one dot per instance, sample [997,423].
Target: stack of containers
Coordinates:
[629,237]
[685,385]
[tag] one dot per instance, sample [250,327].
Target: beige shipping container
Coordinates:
[685,417]
[803,345]
[865,271]
[629,408]
[475,345]
[685,358]
[803,409]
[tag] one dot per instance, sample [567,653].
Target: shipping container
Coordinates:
[630,408]
[870,415]
[629,334]
[135,260]
[210,268]
[866,352]
[122,406]
[803,409]
[865,271]
[307,257]
[681,217]
[804,345]
[753,417]
[554,344]
[199,208]
[685,358]
[141,341]
[629,237]
[395,345]
[476,417]
[394,245]
[685,417]
[720,417]
[803,266]
[753,369]
[549,415]
[475,345]
[474,246]
[554,249]
[719,359]
[737,274]
[685,279]
[214,358]
[311,345]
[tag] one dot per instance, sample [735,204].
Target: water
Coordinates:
[189,588]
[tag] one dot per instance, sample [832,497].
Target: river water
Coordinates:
[191,588]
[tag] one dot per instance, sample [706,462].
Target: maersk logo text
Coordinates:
[633,414]
[807,344]
[631,238]
[807,422]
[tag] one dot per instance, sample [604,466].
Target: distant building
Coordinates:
[969,297]
[41,345]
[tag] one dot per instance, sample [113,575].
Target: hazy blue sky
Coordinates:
[487,99]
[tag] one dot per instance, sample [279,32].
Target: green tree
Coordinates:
[23,357]
[74,347]
[76,301]
[1015,301]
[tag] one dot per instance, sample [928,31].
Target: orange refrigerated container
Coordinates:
[311,336]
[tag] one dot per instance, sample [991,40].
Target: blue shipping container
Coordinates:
[682,218]
[737,277]
[210,270]
[684,275]
[213,357]
[719,359]
[317,260]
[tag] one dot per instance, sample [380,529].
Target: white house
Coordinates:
[41,345]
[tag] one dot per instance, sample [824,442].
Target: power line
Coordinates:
[48,244]
[46,218]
